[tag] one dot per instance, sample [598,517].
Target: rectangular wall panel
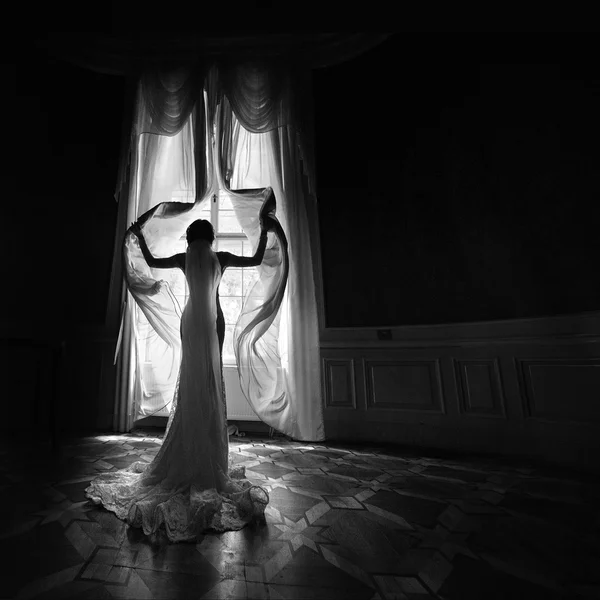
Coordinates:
[238,408]
[338,381]
[404,385]
[529,388]
[560,389]
[479,387]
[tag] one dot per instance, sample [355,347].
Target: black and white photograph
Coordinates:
[299,316]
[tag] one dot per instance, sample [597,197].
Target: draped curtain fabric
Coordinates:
[245,128]
[264,146]
[159,160]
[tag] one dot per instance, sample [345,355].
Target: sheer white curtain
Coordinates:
[268,141]
[290,402]
[168,118]
[244,131]
[165,174]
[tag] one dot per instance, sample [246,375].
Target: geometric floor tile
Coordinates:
[356,472]
[292,505]
[466,476]
[415,510]
[343,521]
[270,470]
[311,568]
[423,486]
[347,502]
[475,579]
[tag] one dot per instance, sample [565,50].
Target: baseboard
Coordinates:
[252,427]
[151,422]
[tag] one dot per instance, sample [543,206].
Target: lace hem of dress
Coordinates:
[185,513]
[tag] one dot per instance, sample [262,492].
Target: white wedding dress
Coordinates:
[189,487]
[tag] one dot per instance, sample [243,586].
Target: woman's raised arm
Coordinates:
[233,260]
[170,262]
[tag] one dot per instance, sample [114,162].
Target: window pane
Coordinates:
[250,277]
[228,222]
[205,214]
[228,354]
[233,246]
[225,203]
[231,284]
[248,250]
[232,307]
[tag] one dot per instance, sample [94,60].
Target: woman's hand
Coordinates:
[266,224]
[263,229]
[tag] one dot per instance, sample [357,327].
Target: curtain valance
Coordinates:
[263,95]
[129,54]
[169,94]
[260,94]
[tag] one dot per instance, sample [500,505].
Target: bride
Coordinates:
[189,487]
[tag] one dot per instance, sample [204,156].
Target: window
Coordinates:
[235,282]
[230,238]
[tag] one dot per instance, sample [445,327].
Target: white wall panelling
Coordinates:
[525,388]
[479,387]
[339,389]
[560,389]
[413,385]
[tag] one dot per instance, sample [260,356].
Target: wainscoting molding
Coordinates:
[560,389]
[238,408]
[479,388]
[402,385]
[561,329]
[339,388]
[527,388]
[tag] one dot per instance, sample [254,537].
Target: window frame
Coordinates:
[227,236]
[228,361]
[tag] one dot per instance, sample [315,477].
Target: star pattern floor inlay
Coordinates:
[344,521]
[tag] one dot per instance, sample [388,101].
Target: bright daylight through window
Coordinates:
[235,282]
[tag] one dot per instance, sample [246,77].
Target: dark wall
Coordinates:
[458,180]
[454,185]
[62,128]
[64,131]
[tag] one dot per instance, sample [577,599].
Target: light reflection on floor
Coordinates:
[343,522]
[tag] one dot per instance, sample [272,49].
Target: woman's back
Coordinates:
[203,275]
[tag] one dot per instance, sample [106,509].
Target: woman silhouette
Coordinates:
[189,486]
